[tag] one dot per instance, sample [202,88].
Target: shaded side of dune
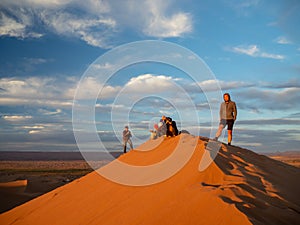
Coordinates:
[265,190]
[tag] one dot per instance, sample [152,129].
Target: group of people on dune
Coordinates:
[168,128]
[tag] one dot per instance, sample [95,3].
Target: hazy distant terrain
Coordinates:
[292,158]
[44,171]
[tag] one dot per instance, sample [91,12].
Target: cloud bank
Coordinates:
[98,23]
[255,51]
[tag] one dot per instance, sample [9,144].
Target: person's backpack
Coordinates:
[175,130]
[169,127]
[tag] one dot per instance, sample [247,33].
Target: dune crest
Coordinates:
[238,187]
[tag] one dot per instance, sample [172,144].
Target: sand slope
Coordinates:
[239,187]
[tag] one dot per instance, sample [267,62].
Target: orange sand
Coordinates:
[13,184]
[239,187]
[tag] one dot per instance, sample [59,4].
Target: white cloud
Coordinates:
[35,61]
[214,85]
[240,5]
[95,6]
[13,28]
[175,26]
[226,85]
[16,117]
[254,51]
[34,90]
[96,22]
[35,3]
[291,83]
[149,83]
[34,131]
[105,66]
[109,107]
[61,17]
[46,112]
[54,92]
[283,40]
[250,50]
[32,87]
[243,8]
[45,128]
[282,99]
[34,127]
[94,31]
[14,101]
[87,5]
[91,87]
[271,56]
[161,25]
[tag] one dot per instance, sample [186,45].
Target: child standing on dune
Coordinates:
[126,138]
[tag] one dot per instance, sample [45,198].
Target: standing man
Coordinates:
[228,113]
[126,138]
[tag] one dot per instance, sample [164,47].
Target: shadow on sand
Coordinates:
[268,190]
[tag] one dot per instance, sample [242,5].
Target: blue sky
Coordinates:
[252,47]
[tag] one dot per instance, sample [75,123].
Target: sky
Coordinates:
[250,49]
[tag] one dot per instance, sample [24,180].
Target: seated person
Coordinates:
[154,133]
[162,129]
[171,127]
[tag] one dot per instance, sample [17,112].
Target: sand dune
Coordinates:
[13,186]
[239,187]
